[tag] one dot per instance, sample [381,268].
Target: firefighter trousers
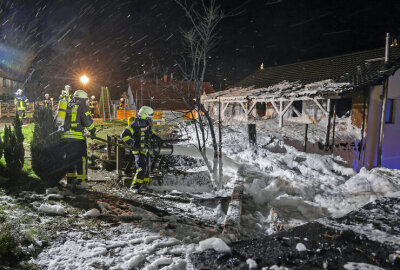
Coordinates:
[143,167]
[21,114]
[75,153]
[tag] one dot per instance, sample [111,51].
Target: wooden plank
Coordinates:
[232,219]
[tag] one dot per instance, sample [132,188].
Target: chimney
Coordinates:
[165,78]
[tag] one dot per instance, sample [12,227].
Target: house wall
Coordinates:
[391,145]
[8,86]
[391,131]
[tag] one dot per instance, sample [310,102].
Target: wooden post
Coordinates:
[384,102]
[334,125]
[328,125]
[280,113]
[220,168]
[119,154]
[305,138]
[363,124]
[109,149]
[252,135]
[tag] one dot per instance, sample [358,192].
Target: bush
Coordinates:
[46,149]
[14,148]
[9,251]
[11,246]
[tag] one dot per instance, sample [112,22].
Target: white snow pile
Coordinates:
[301,247]
[298,186]
[361,266]
[362,188]
[122,247]
[52,209]
[92,213]
[214,243]
[252,263]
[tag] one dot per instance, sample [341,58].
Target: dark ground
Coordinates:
[327,247]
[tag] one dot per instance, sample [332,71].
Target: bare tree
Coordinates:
[199,40]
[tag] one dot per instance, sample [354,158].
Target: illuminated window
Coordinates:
[389,119]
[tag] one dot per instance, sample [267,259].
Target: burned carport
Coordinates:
[306,92]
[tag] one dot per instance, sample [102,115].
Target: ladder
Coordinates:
[105,102]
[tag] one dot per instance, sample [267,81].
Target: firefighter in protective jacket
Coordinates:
[65,94]
[138,136]
[47,102]
[92,106]
[74,142]
[22,103]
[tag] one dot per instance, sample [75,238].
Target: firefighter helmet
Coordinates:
[67,87]
[81,94]
[146,112]
[121,99]
[46,95]
[93,97]
[19,91]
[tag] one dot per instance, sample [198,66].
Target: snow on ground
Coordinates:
[361,266]
[298,186]
[123,247]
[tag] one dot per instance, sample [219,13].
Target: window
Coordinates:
[4,82]
[389,119]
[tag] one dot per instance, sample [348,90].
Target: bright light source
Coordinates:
[84,79]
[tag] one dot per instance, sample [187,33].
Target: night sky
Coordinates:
[50,43]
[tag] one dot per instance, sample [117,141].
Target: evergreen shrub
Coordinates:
[46,148]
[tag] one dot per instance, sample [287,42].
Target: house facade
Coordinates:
[313,91]
[9,84]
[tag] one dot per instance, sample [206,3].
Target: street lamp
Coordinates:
[84,79]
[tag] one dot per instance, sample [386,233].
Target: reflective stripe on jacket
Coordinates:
[79,120]
[138,135]
[22,102]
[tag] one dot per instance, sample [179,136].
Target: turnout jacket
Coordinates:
[22,102]
[47,103]
[66,97]
[77,120]
[138,135]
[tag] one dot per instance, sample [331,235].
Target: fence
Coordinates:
[159,116]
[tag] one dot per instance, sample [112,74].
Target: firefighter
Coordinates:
[121,104]
[47,102]
[138,136]
[65,94]
[22,103]
[74,141]
[92,105]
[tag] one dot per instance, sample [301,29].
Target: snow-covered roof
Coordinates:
[283,90]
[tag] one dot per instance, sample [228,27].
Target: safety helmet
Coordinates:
[67,87]
[146,112]
[46,95]
[121,99]
[80,94]
[19,91]
[93,97]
